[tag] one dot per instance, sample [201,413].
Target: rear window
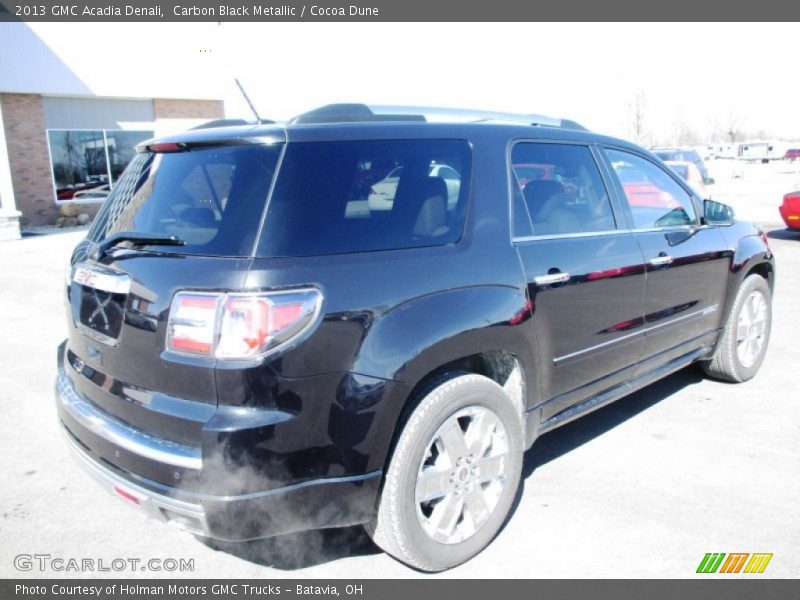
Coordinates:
[211,198]
[358,196]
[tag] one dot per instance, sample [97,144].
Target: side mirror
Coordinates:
[717,213]
[708,180]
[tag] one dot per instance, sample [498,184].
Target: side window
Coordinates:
[373,191]
[367,195]
[561,189]
[655,198]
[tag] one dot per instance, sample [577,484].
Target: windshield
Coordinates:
[211,198]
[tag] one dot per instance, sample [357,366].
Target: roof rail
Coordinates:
[362,113]
[230,123]
[570,124]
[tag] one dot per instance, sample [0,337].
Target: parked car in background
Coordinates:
[526,173]
[83,190]
[684,154]
[381,195]
[249,355]
[792,154]
[640,192]
[790,210]
[97,193]
[690,174]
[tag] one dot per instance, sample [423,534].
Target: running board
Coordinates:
[623,389]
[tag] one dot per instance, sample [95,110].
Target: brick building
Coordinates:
[63,142]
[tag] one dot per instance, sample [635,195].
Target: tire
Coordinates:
[741,350]
[469,481]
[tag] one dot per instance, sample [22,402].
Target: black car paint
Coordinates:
[299,440]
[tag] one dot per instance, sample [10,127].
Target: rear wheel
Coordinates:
[453,475]
[746,335]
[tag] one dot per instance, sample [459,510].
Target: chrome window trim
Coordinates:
[514,181]
[582,234]
[558,236]
[687,227]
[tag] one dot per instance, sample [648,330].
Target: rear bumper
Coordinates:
[96,439]
[188,516]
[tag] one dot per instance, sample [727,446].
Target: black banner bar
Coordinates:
[217,589]
[395,10]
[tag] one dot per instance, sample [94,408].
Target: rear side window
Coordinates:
[655,198]
[358,196]
[211,198]
[560,188]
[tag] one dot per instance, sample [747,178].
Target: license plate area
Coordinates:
[102,295]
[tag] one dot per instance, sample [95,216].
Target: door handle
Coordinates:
[552,278]
[660,261]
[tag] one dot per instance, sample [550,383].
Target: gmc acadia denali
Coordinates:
[366,316]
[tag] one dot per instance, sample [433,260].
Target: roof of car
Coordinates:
[341,122]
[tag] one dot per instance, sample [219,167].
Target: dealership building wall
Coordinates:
[68,126]
[27,119]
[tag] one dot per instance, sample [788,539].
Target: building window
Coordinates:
[85,163]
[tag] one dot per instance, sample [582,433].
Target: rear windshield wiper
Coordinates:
[136,240]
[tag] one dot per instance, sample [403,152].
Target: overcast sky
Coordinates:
[695,74]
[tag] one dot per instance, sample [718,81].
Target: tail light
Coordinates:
[166,147]
[239,326]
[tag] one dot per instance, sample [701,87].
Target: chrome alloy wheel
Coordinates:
[751,329]
[462,475]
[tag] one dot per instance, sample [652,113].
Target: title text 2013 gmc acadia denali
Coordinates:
[365,317]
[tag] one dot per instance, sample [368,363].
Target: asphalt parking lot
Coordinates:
[642,488]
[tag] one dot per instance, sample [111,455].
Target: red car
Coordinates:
[640,191]
[792,154]
[533,172]
[790,210]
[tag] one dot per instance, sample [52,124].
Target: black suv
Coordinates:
[366,318]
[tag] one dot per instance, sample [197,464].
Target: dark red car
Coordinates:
[792,154]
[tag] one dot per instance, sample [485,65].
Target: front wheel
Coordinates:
[453,475]
[744,341]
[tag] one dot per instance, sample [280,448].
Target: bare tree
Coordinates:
[636,108]
[682,132]
[730,127]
